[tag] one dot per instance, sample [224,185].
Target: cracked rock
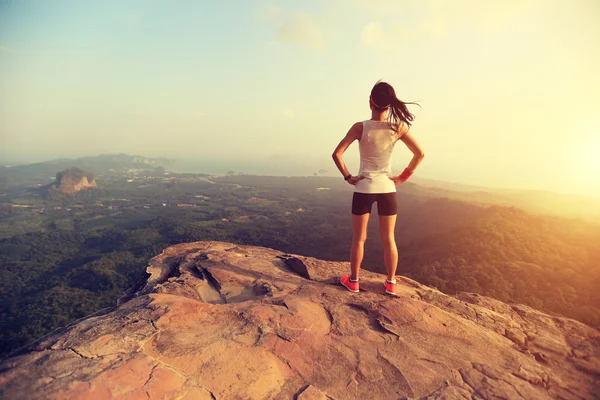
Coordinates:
[215,320]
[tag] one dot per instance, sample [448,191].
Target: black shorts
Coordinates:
[386,203]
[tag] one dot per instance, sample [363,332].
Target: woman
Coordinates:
[390,122]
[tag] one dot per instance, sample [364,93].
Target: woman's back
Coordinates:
[375,146]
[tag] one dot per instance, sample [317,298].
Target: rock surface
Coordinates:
[72,180]
[221,321]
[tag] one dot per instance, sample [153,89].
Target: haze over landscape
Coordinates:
[171,216]
[509,90]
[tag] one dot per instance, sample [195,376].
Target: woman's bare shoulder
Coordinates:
[357,130]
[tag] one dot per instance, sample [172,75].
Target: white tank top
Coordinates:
[375,146]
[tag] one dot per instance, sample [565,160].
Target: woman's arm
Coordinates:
[417,151]
[353,134]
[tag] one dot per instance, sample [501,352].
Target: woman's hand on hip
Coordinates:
[353,180]
[397,180]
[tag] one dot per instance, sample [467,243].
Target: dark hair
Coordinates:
[383,96]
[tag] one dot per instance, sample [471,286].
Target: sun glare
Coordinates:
[588,155]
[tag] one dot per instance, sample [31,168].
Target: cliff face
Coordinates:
[220,321]
[72,180]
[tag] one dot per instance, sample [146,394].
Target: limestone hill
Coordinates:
[72,180]
[219,321]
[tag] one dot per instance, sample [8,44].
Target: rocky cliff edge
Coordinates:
[221,321]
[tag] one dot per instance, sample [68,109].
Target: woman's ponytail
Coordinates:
[399,113]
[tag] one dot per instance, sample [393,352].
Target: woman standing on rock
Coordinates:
[390,122]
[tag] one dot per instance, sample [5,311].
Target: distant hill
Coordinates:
[98,164]
[72,180]
[106,164]
[555,203]
[535,201]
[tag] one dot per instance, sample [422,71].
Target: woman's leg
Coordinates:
[387,223]
[359,237]
[387,206]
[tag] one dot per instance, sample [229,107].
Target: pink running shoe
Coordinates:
[351,286]
[390,287]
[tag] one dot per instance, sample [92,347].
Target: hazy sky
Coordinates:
[510,90]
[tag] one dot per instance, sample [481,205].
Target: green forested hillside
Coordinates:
[548,263]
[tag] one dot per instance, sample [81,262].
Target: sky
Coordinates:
[509,91]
